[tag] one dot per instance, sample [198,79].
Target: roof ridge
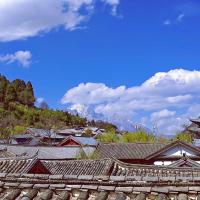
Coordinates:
[135,143]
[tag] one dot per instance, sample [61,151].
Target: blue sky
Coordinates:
[111,43]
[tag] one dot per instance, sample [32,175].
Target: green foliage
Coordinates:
[83,156]
[183,136]
[16,91]
[109,137]
[139,136]
[29,98]
[162,139]
[19,117]
[87,133]
[3,87]
[18,129]
[11,95]
[127,137]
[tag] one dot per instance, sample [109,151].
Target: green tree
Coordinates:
[19,86]
[18,129]
[11,95]
[3,87]
[28,94]
[139,136]
[109,137]
[88,133]
[183,136]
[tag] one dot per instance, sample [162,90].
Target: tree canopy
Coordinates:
[16,91]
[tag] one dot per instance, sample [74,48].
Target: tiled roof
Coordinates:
[79,167]
[185,161]
[48,152]
[139,150]
[194,129]
[140,170]
[129,150]
[58,187]
[16,165]
[102,167]
[96,179]
[23,136]
[85,141]
[69,131]
[196,121]
[5,154]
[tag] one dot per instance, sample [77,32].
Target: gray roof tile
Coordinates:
[128,150]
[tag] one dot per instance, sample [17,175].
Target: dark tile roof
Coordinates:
[185,162]
[46,187]
[84,141]
[194,129]
[16,165]
[174,144]
[80,167]
[195,121]
[154,171]
[96,179]
[5,154]
[71,167]
[49,152]
[99,193]
[102,167]
[129,150]
[139,150]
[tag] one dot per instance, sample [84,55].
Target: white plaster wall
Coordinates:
[178,151]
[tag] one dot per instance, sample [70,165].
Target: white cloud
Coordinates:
[113,4]
[167,22]
[179,98]
[21,57]
[169,95]
[173,21]
[162,114]
[25,18]
[180,17]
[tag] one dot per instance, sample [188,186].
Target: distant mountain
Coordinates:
[123,124]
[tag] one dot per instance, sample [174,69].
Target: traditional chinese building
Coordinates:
[27,178]
[148,153]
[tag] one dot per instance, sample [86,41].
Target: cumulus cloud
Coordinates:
[166,98]
[21,57]
[21,19]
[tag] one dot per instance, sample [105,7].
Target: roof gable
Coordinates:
[177,148]
[185,162]
[69,141]
[79,141]
[38,168]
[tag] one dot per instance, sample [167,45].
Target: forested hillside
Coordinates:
[16,91]
[17,110]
